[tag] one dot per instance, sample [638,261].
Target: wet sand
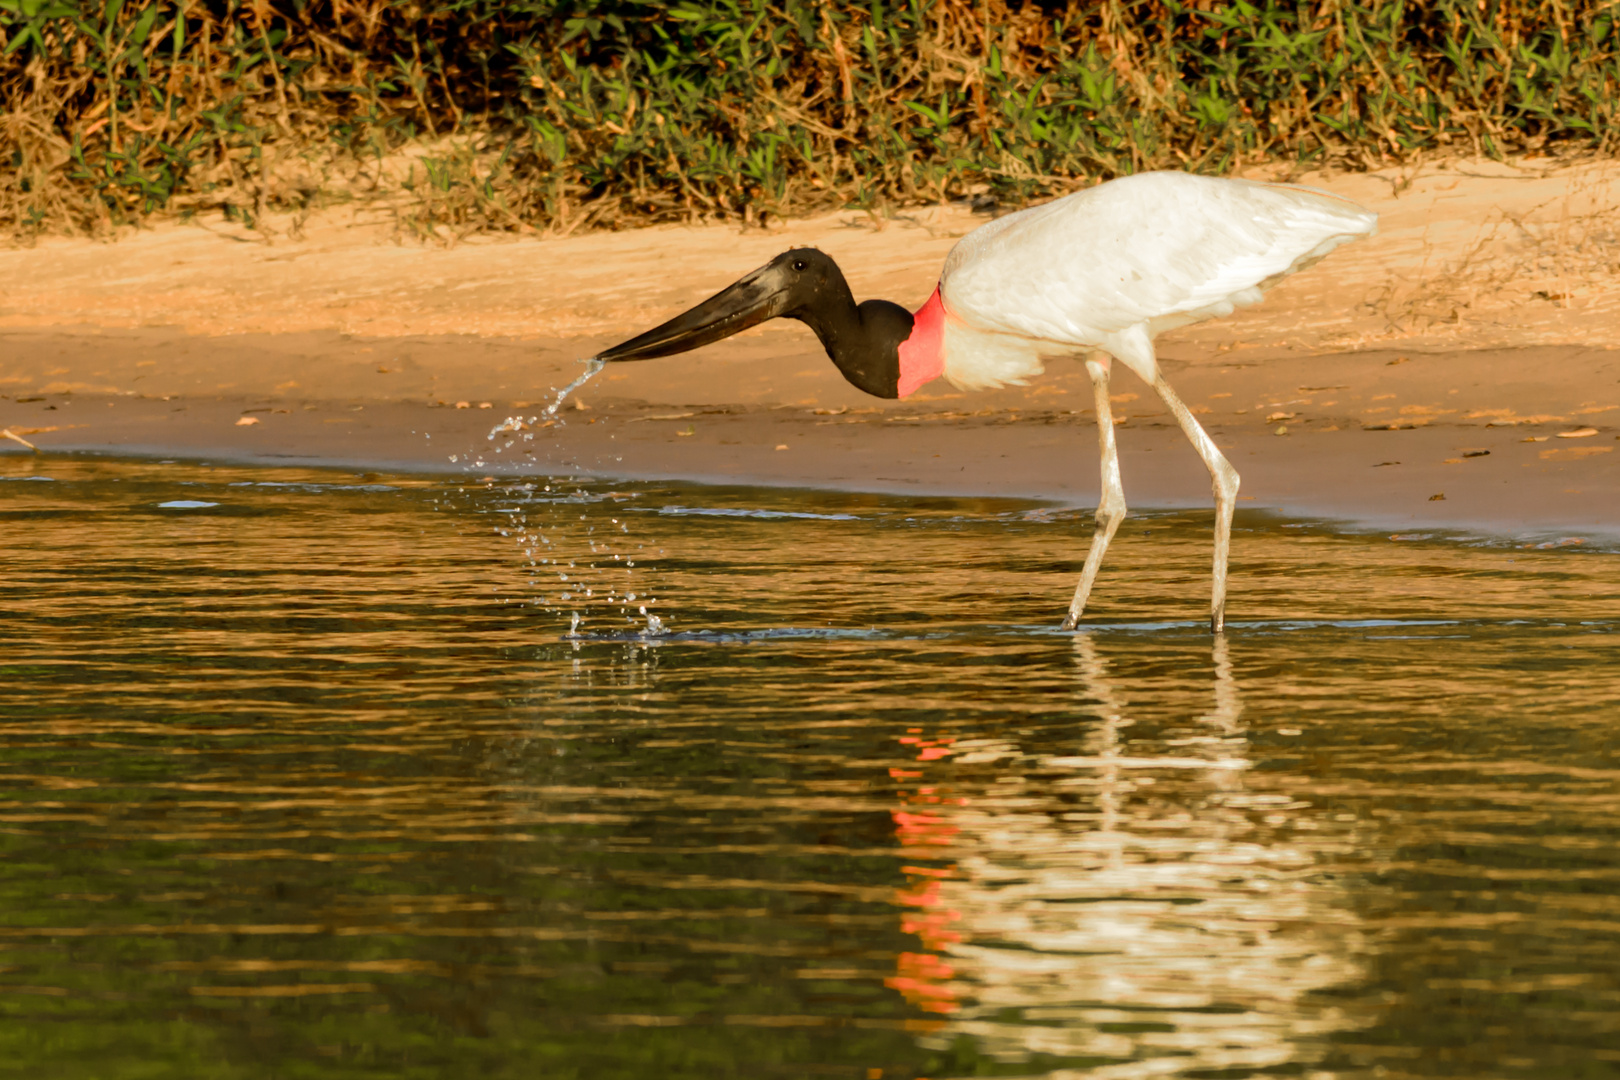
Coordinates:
[1447,356]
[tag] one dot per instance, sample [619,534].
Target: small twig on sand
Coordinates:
[6,433]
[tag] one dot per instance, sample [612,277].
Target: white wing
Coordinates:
[1150,251]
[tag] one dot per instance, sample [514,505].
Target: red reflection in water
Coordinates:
[925,978]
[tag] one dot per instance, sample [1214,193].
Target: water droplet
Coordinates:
[592,366]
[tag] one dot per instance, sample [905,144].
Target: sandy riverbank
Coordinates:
[1483,315]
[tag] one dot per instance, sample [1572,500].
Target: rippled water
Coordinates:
[304,775]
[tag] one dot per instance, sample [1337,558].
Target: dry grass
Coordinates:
[478,116]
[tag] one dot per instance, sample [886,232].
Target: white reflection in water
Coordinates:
[1148,922]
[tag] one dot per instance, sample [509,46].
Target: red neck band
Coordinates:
[922,355]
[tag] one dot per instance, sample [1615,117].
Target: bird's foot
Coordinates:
[1071,621]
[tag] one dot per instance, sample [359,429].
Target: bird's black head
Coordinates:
[804,284]
[792,284]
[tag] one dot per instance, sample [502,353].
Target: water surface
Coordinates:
[317,775]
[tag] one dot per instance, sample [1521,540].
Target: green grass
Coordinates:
[551,116]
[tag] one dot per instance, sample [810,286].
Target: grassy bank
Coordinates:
[469,115]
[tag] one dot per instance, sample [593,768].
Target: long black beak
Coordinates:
[761,295]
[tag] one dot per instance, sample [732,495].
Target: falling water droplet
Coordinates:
[592,366]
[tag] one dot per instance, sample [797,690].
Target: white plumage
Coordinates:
[1102,268]
[1094,276]
[1100,273]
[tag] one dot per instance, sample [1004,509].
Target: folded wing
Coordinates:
[1156,250]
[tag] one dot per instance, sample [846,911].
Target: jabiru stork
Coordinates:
[1097,274]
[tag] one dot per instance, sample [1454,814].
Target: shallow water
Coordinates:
[304,775]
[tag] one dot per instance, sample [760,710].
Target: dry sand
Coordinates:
[1483,317]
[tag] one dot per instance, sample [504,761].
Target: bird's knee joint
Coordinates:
[1110,514]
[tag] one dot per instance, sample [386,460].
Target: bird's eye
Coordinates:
[799,264]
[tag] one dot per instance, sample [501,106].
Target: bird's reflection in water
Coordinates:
[1138,906]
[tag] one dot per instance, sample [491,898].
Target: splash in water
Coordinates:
[581,567]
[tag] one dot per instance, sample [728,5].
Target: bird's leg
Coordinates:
[1111,505]
[1224,480]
